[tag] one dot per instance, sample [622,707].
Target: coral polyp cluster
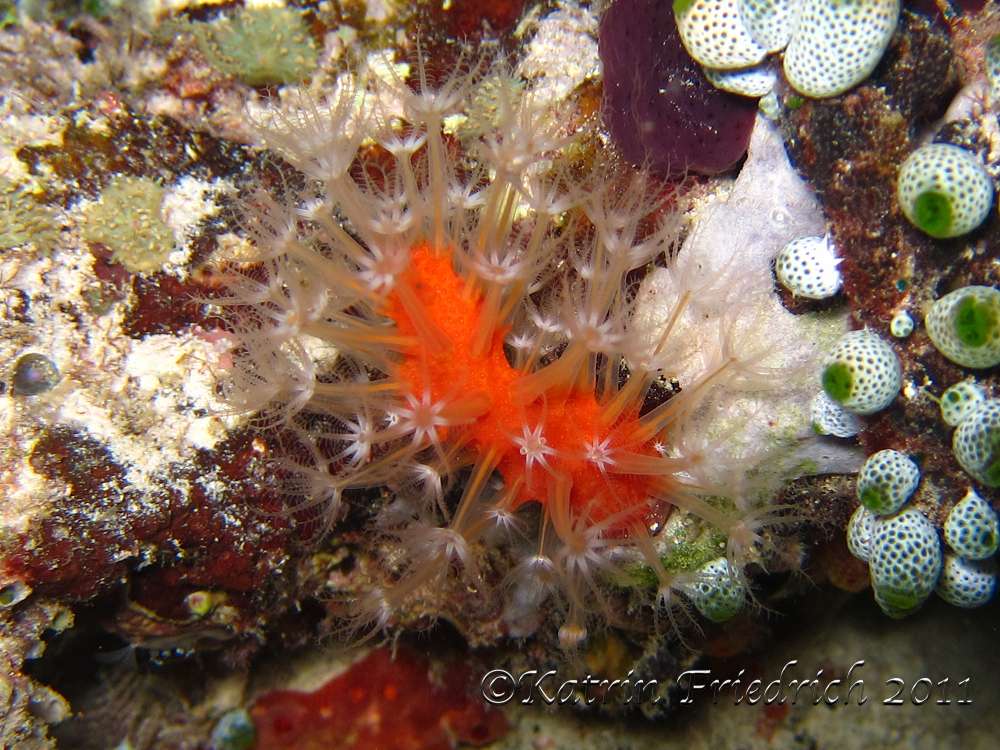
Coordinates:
[451,320]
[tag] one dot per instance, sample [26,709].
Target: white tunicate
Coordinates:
[725,270]
[807,267]
[837,44]
[901,324]
[752,82]
[830,418]
[960,400]
[714,34]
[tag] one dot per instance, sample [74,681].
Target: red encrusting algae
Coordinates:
[382,701]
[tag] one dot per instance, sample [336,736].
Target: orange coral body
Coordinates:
[571,418]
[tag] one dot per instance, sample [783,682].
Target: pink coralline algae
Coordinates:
[658,105]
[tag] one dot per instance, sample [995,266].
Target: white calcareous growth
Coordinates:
[807,267]
[837,44]
[727,261]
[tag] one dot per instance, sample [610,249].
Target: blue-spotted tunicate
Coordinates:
[886,481]
[905,561]
[967,583]
[971,527]
[976,443]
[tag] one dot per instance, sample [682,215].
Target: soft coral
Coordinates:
[424,271]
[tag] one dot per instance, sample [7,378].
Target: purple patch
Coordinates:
[659,107]
[932,10]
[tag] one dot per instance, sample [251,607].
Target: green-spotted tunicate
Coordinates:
[901,325]
[905,561]
[944,190]
[964,325]
[859,533]
[993,66]
[976,443]
[753,82]
[971,528]
[718,592]
[960,400]
[807,267]
[830,418]
[235,730]
[769,22]
[861,372]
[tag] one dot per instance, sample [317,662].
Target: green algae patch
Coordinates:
[128,221]
[794,101]
[259,46]
[975,321]
[685,556]
[687,550]
[838,382]
[932,213]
